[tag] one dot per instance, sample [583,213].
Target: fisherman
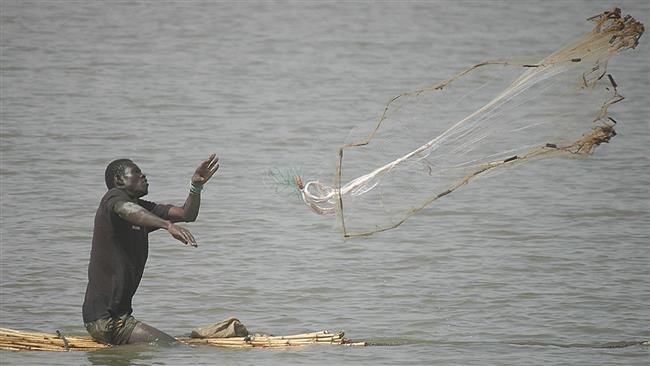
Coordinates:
[120,248]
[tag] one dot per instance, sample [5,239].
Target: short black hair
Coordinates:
[116,167]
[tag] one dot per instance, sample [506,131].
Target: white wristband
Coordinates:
[196,188]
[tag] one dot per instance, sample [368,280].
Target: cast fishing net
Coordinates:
[431,141]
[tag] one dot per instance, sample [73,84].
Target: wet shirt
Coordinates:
[117,258]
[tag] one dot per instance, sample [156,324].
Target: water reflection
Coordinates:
[127,355]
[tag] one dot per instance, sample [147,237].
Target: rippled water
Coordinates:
[544,264]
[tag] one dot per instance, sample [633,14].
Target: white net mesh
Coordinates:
[431,141]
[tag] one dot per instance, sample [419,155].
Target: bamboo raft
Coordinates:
[15,340]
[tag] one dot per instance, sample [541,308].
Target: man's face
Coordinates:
[135,182]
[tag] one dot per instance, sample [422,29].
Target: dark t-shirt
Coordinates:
[117,258]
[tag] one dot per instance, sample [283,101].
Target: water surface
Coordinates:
[543,264]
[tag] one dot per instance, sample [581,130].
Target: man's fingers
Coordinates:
[188,238]
[207,162]
[212,166]
[185,236]
[211,160]
[214,161]
[191,241]
[207,168]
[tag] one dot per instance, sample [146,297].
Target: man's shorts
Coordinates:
[113,331]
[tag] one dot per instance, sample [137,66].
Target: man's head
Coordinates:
[125,174]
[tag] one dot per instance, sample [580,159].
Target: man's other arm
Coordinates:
[138,215]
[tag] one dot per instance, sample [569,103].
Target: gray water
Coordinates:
[543,264]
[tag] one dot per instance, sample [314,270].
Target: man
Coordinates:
[120,248]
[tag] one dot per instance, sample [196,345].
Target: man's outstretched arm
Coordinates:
[190,210]
[138,215]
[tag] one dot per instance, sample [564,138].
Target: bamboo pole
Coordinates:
[11,340]
[14,340]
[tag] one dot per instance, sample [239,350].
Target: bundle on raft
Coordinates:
[323,337]
[15,340]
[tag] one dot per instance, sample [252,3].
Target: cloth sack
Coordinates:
[230,327]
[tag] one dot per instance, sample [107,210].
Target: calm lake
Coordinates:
[543,264]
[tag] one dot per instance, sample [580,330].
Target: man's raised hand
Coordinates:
[206,170]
